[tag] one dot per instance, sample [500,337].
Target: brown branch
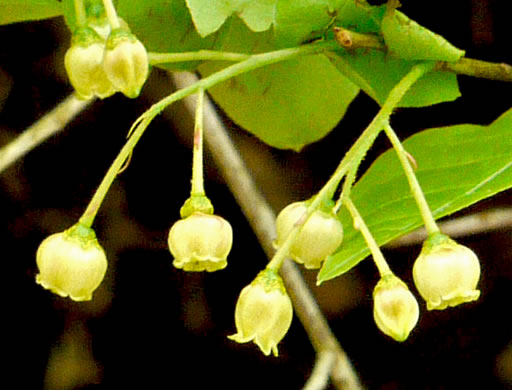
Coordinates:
[50,124]
[482,222]
[351,40]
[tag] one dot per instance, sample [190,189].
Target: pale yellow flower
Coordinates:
[395,309]
[320,236]
[263,312]
[84,65]
[71,263]
[200,242]
[446,273]
[126,62]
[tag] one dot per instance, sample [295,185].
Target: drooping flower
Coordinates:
[71,263]
[200,242]
[84,65]
[126,62]
[395,309]
[446,273]
[263,312]
[320,236]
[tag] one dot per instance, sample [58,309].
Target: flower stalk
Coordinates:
[417,192]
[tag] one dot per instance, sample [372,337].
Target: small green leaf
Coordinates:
[12,11]
[457,166]
[408,40]
[287,105]
[209,16]
[377,73]
[258,15]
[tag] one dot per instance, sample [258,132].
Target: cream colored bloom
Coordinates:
[84,65]
[200,242]
[126,62]
[71,263]
[446,273]
[320,236]
[263,312]
[395,309]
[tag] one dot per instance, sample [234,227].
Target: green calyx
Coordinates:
[435,240]
[85,36]
[119,36]
[196,204]
[270,280]
[82,234]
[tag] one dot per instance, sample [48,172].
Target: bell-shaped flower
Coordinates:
[126,62]
[84,65]
[395,309]
[446,273]
[200,242]
[320,236]
[263,312]
[71,263]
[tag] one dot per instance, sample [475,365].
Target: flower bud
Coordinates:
[84,65]
[263,312]
[446,273]
[395,309]
[320,236]
[126,62]
[200,242]
[71,263]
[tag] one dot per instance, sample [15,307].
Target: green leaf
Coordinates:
[12,11]
[408,40]
[287,105]
[377,73]
[209,16]
[258,15]
[457,166]
[165,26]
[296,20]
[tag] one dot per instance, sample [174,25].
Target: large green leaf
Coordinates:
[12,11]
[287,105]
[457,166]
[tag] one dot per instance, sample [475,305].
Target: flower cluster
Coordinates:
[99,67]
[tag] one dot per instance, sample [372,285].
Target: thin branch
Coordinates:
[477,223]
[319,378]
[262,220]
[351,40]
[50,124]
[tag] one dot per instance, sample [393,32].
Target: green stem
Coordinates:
[197,159]
[200,55]
[90,212]
[377,255]
[110,10]
[353,157]
[81,17]
[417,193]
[140,125]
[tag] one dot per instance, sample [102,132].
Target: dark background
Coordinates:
[153,326]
